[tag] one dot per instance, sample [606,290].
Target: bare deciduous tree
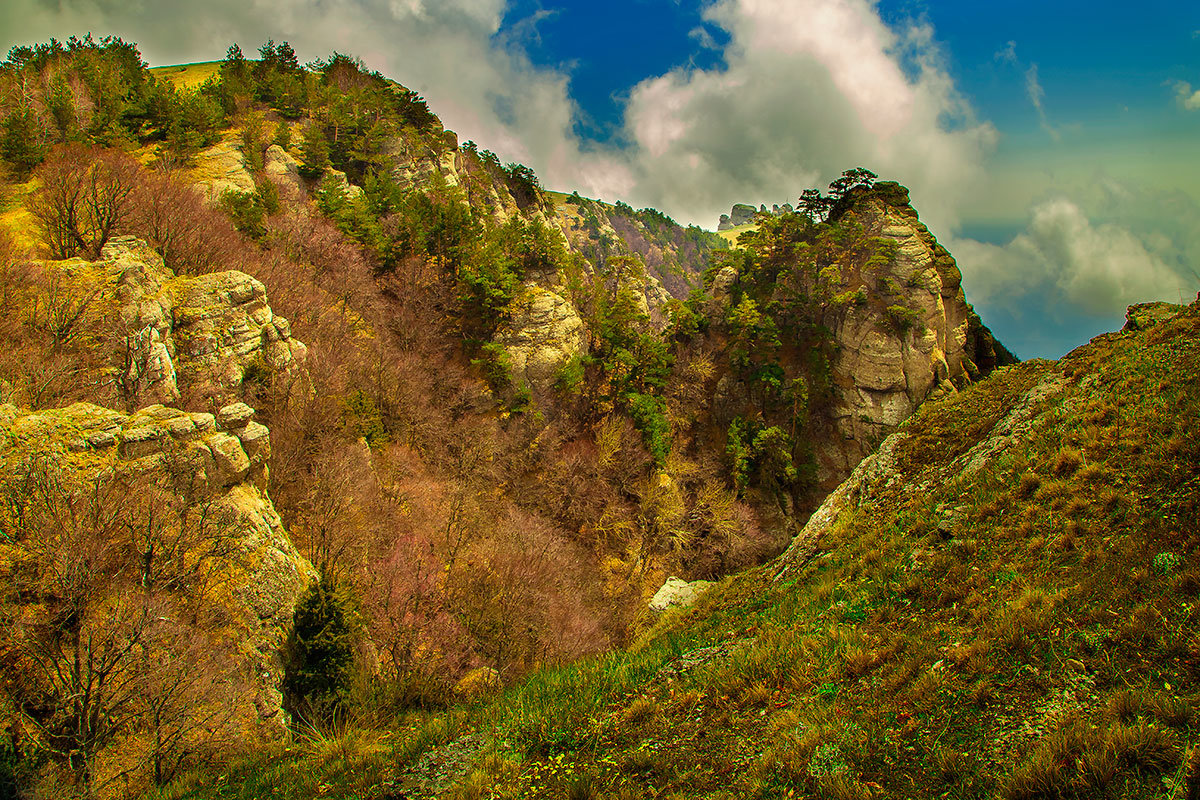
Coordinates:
[104,616]
[84,198]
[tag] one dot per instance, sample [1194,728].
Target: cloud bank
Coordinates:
[1185,97]
[1064,260]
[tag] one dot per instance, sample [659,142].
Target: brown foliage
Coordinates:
[84,198]
[103,638]
[190,235]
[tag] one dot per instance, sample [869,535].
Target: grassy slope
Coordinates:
[1026,630]
[731,234]
[187,76]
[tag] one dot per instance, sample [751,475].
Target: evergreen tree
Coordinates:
[321,655]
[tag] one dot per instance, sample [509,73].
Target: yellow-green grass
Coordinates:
[731,234]
[187,76]
[15,219]
[1027,630]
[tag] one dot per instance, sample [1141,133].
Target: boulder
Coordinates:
[234,416]
[1143,316]
[741,214]
[348,189]
[677,593]
[231,460]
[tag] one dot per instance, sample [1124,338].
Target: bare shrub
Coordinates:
[84,198]
[102,620]
[191,236]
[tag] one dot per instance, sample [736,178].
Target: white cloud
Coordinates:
[1037,96]
[1185,97]
[1008,55]
[1065,260]
[808,88]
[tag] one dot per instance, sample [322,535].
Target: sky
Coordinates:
[1050,145]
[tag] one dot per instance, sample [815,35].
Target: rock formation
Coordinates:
[543,333]
[221,462]
[284,171]
[916,338]
[222,168]
[204,331]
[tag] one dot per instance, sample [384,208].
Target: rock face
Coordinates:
[222,168]
[917,338]
[222,459]
[543,333]
[207,331]
[677,593]
[284,171]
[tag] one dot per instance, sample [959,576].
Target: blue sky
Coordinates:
[1050,145]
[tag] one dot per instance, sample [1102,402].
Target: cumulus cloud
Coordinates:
[807,88]
[1066,260]
[1185,97]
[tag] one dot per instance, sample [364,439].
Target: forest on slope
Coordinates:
[498,418]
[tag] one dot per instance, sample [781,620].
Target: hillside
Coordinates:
[415,445]
[999,603]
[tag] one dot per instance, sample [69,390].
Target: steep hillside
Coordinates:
[500,419]
[999,603]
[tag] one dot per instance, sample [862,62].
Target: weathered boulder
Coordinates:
[677,593]
[543,333]
[348,189]
[1144,316]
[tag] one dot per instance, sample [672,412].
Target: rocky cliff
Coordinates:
[165,334]
[209,468]
[914,337]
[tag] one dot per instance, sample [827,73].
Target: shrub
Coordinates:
[649,414]
[320,654]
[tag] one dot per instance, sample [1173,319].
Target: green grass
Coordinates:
[187,76]
[731,234]
[1016,632]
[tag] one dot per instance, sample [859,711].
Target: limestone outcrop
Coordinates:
[220,463]
[917,337]
[543,333]
[284,171]
[222,168]
[205,332]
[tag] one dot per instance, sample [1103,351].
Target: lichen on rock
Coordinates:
[544,331]
[203,332]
